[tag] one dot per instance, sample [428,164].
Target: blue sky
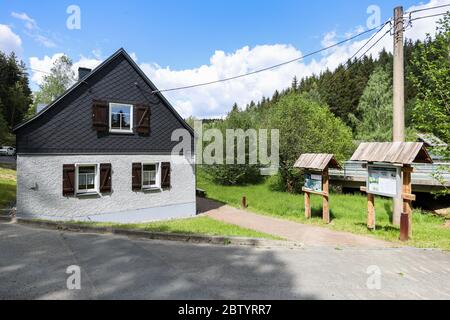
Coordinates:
[183,34]
[169,36]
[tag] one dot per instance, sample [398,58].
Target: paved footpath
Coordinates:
[33,264]
[290,230]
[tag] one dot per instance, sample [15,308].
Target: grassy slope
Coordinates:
[348,212]
[198,225]
[7,187]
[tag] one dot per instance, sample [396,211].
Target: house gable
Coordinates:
[65,126]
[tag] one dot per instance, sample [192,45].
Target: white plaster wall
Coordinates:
[121,205]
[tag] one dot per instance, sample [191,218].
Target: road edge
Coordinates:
[147,235]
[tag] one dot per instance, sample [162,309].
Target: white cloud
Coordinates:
[30,23]
[421,27]
[46,42]
[134,56]
[33,30]
[329,39]
[40,67]
[216,100]
[90,63]
[9,41]
[97,53]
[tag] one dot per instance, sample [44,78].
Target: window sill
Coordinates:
[121,132]
[151,189]
[88,194]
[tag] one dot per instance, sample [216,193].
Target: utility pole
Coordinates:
[399,97]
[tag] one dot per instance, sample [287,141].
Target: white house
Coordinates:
[102,151]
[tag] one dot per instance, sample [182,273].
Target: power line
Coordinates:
[45,72]
[351,63]
[373,45]
[309,54]
[431,16]
[368,41]
[36,70]
[274,66]
[427,9]
[378,28]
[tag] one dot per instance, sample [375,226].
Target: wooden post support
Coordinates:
[404,227]
[307,205]
[370,211]
[244,202]
[407,203]
[325,190]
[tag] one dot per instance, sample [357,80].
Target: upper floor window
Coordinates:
[120,117]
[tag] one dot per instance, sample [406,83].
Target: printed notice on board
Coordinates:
[313,182]
[382,181]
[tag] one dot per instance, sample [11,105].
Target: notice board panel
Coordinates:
[384,180]
[313,182]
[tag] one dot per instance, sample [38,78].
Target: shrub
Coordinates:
[306,126]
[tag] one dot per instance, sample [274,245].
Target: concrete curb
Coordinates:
[5,218]
[197,239]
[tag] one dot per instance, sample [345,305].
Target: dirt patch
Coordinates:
[7,174]
[4,176]
[443,212]
[293,231]
[447,224]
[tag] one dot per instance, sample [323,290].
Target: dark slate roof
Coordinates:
[65,125]
[121,51]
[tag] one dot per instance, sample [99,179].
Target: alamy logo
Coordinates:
[74,280]
[73,22]
[232,147]
[374,279]
[374,19]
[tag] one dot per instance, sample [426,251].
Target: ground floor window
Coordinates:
[150,173]
[87,178]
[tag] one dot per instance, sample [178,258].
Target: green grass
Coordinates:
[7,187]
[348,212]
[199,225]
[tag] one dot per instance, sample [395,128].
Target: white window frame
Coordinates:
[96,189]
[112,104]
[157,184]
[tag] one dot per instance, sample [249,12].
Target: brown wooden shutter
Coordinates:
[136,176]
[100,114]
[68,180]
[142,119]
[165,175]
[105,177]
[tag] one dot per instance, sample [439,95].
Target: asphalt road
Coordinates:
[33,264]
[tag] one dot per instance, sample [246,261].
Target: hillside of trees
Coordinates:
[333,111]
[15,95]
[17,102]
